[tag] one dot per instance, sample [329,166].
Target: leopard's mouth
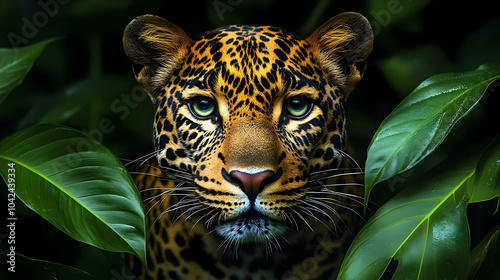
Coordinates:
[251,227]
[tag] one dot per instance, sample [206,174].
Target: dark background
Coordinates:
[78,78]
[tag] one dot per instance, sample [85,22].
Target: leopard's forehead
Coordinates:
[250,42]
[239,61]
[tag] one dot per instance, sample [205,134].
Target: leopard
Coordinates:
[248,177]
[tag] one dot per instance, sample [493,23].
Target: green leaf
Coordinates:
[422,120]
[479,253]
[15,64]
[76,184]
[424,228]
[485,184]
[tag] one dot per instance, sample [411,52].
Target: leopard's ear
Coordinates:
[156,47]
[340,45]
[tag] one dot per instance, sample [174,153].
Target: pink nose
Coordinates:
[251,184]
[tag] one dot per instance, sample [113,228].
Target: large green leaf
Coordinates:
[482,186]
[15,64]
[76,184]
[424,228]
[422,120]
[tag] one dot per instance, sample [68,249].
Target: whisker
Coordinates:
[202,217]
[286,216]
[308,212]
[195,210]
[302,218]
[158,202]
[171,190]
[180,207]
[182,204]
[334,212]
[339,204]
[323,171]
[317,209]
[176,171]
[336,176]
[358,199]
[350,159]
[209,222]
[343,184]
[146,157]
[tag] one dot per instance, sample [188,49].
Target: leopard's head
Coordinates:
[245,116]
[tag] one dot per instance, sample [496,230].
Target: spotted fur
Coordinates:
[249,128]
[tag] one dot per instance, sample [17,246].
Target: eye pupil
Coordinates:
[298,107]
[203,107]
[297,104]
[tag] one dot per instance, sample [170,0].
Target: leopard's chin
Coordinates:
[251,227]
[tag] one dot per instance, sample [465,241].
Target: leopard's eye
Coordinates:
[298,107]
[202,107]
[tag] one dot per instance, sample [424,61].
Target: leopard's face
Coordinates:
[247,114]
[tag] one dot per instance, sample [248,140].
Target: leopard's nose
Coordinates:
[251,183]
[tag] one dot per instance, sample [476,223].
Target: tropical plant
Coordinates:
[68,178]
[424,228]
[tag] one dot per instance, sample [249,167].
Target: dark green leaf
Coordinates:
[422,120]
[479,253]
[76,184]
[485,184]
[15,64]
[424,228]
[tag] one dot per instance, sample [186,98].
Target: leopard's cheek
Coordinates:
[176,136]
[329,147]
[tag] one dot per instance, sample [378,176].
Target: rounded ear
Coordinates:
[340,44]
[156,47]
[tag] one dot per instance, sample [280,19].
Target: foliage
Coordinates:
[76,184]
[425,226]
[84,81]
[68,178]
[15,64]
[422,120]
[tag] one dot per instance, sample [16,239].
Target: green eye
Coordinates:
[298,107]
[202,107]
